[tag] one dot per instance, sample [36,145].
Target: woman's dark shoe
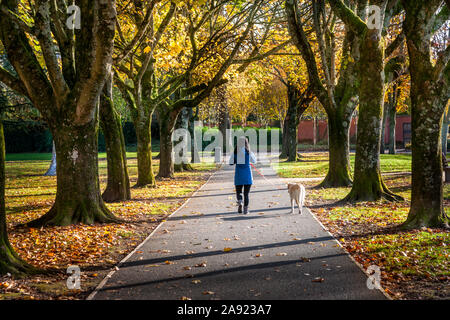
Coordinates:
[246,210]
[239,206]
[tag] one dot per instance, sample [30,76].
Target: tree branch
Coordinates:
[347,15]
[13,82]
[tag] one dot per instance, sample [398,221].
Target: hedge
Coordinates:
[33,136]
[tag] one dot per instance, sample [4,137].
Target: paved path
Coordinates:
[185,257]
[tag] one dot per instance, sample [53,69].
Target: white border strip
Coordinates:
[116,268]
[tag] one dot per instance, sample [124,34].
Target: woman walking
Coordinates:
[242,157]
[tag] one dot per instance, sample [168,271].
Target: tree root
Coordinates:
[83,212]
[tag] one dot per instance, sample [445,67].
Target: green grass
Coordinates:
[48,156]
[313,165]
[414,253]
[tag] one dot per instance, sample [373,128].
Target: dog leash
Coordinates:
[270,182]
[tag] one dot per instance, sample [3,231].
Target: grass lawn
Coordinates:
[96,247]
[414,264]
[315,164]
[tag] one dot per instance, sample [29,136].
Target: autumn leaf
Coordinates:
[208,292]
[318,279]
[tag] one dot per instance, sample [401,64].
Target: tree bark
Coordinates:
[429,96]
[339,151]
[118,186]
[166,127]
[10,262]
[427,186]
[284,144]
[195,156]
[183,123]
[78,198]
[383,128]
[445,123]
[392,124]
[291,126]
[392,118]
[67,96]
[367,183]
[146,177]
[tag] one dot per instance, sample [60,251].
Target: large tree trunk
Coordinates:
[339,151]
[429,96]
[65,85]
[367,183]
[78,198]
[9,260]
[146,177]
[118,187]
[427,186]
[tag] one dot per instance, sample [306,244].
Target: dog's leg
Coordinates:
[297,200]
[300,207]
[302,199]
[292,205]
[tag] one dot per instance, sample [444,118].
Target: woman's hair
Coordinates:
[242,141]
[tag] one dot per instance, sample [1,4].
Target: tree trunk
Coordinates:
[51,172]
[183,123]
[383,129]
[166,127]
[118,187]
[146,177]
[392,124]
[297,105]
[293,116]
[445,123]
[9,260]
[427,186]
[339,151]
[284,143]
[195,156]
[367,183]
[429,96]
[78,198]
[392,110]
[224,125]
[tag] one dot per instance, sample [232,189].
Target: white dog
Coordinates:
[297,193]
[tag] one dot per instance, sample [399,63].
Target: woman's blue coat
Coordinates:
[243,173]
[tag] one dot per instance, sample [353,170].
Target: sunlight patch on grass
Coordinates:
[315,164]
[420,253]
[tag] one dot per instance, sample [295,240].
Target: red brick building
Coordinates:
[306,130]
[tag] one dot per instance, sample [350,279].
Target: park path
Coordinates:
[274,254]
